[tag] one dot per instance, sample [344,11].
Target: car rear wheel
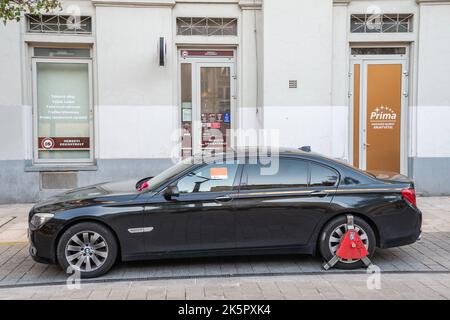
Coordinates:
[88,248]
[334,231]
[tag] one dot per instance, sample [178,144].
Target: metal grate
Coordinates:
[59,180]
[381,23]
[378,51]
[207,26]
[59,24]
[292,84]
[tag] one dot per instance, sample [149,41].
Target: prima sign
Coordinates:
[383,113]
[383,118]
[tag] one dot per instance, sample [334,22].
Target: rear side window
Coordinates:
[291,173]
[322,176]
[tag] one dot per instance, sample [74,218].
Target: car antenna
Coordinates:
[305,148]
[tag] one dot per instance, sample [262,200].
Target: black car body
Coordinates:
[184,213]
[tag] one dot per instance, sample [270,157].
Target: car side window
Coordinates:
[291,173]
[209,178]
[322,176]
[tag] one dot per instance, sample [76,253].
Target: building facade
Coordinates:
[115,89]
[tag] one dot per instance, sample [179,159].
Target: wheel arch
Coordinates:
[86,219]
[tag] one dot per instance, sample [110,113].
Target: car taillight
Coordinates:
[410,196]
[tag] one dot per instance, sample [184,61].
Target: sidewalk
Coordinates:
[14,223]
[418,270]
[305,287]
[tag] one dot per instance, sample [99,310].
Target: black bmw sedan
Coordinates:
[293,203]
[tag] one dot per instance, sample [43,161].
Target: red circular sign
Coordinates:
[47,143]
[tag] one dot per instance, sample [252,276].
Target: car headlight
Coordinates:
[39,219]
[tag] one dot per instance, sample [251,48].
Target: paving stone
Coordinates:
[195,292]
[99,294]
[327,286]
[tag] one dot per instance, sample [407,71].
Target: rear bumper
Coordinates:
[400,241]
[406,230]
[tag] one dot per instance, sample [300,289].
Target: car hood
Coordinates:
[102,189]
[94,193]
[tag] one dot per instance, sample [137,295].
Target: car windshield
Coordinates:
[167,174]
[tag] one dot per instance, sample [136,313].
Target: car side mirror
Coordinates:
[171,192]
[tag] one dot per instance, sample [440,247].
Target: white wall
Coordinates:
[249,76]
[433,93]
[298,46]
[322,127]
[12,113]
[340,83]
[136,109]
[136,131]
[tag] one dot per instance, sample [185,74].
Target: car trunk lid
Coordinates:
[392,177]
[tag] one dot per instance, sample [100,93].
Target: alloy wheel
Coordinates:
[86,251]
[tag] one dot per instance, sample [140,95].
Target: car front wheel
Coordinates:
[88,248]
[333,233]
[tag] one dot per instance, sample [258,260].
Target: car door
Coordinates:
[201,217]
[282,208]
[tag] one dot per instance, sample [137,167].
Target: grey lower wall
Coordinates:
[18,185]
[432,175]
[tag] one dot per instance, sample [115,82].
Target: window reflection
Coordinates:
[209,178]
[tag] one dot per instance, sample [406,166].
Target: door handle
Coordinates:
[319,193]
[224,198]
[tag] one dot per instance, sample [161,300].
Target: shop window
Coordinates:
[59,24]
[62,107]
[63,52]
[207,26]
[381,23]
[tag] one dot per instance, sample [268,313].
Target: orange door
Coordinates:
[377,115]
[383,117]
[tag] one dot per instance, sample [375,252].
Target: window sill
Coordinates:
[60,167]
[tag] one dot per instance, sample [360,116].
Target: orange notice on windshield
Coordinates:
[219,173]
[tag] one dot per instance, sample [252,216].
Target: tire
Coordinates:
[364,230]
[97,257]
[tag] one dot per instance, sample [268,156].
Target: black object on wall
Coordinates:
[162,51]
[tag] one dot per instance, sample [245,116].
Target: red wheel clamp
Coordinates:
[350,247]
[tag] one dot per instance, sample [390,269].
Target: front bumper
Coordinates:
[42,245]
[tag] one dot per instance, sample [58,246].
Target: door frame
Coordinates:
[196,63]
[364,61]
[196,98]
